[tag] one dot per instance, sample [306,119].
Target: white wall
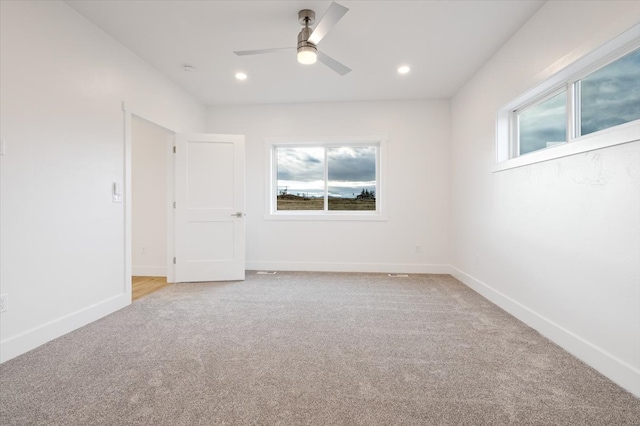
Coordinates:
[149,180]
[417,187]
[62,85]
[555,243]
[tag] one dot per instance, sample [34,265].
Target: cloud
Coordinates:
[300,164]
[543,123]
[352,164]
[611,95]
[350,170]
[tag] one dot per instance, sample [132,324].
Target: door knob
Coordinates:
[238,214]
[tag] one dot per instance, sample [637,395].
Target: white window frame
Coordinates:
[514,124]
[271,180]
[507,150]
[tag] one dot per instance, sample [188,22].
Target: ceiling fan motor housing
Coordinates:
[303,37]
[306,17]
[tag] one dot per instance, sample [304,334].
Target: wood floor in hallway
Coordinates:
[141,286]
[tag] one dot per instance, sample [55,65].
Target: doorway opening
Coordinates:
[151,180]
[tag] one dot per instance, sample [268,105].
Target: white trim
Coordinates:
[624,133]
[31,339]
[171,189]
[516,117]
[506,158]
[149,271]
[614,368]
[128,250]
[127,149]
[381,166]
[408,268]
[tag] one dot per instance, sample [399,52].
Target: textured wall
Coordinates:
[62,85]
[557,242]
[417,183]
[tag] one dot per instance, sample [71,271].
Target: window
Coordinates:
[543,124]
[326,180]
[609,96]
[591,104]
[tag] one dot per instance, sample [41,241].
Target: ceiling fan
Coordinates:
[308,38]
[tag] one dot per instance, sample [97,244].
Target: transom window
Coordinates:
[325,179]
[602,99]
[543,124]
[594,101]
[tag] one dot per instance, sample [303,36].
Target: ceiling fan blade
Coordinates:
[333,64]
[261,51]
[329,19]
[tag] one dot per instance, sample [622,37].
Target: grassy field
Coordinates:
[291,202]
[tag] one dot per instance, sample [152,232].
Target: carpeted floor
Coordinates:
[309,348]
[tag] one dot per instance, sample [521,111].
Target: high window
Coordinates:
[324,180]
[591,104]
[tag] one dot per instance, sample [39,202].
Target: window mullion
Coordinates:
[326,181]
[577,102]
[274,179]
[515,134]
[571,112]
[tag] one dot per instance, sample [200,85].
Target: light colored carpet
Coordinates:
[309,348]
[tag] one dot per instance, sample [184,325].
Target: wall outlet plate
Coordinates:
[3,302]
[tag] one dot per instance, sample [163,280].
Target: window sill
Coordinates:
[624,133]
[329,217]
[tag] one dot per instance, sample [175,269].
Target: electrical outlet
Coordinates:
[144,249]
[3,302]
[116,192]
[418,248]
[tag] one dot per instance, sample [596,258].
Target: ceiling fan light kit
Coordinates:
[308,38]
[307,55]
[307,51]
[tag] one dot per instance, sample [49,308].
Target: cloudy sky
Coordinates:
[544,124]
[350,170]
[610,96]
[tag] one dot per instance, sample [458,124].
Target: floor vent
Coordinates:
[398,275]
[266,272]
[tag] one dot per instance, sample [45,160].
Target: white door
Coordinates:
[209,211]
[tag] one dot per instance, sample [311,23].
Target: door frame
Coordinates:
[128,214]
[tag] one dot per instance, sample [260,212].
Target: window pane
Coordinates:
[543,125]
[611,95]
[352,178]
[300,175]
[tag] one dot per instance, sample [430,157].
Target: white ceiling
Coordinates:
[444,43]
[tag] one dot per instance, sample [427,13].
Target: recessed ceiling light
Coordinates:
[404,69]
[241,76]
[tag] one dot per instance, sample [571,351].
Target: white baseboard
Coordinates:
[618,371]
[31,339]
[407,268]
[149,271]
